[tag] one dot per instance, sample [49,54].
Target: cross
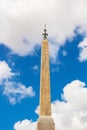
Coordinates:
[45,34]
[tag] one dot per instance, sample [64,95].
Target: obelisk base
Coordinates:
[45,123]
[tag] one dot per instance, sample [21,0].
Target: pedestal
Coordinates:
[45,123]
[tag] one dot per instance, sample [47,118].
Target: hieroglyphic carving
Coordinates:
[45,121]
[45,105]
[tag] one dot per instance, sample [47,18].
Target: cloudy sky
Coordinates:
[21,28]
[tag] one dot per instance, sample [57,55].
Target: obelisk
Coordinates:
[45,121]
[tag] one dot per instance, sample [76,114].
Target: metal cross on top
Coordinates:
[45,34]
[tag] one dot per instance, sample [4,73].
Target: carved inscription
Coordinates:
[45,105]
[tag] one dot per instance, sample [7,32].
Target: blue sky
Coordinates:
[21,24]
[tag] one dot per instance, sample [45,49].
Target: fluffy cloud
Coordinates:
[21,23]
[69,114]
[35,68]
[15,92]
[5,71]
[75,93]
[25,125]
[83,50]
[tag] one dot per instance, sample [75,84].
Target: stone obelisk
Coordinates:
[45,121]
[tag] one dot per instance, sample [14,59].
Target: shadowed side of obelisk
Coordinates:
[45,121]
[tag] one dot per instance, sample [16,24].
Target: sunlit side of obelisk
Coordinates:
[45,121]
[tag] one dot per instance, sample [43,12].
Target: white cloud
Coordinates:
[72,112]
[21,22]
[5,71]
[25,125]
[64,53]
[83,50]
[35,68]
[53,49]
[69,114]
[15,92]
[76,93]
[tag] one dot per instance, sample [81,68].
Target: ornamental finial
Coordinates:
[45,34]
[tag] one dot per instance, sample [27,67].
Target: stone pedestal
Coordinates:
[45,123]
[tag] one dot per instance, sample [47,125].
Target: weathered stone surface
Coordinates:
[45,105]
[45,123]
